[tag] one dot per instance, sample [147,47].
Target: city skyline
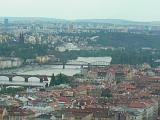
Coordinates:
[137,10]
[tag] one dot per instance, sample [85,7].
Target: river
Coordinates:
[45,70]
[38,70]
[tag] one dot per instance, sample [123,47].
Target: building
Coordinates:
[6,62]
[6,22]
[3,113]
[15,113]
[42,59]
[68,46]
[97,61]
[146,109]
[87,114]
[21,38]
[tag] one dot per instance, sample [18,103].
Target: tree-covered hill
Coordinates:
[119,39]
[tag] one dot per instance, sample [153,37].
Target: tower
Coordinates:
[6,22]
[21,38]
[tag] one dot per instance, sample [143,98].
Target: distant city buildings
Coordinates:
[133,95]
[100,91]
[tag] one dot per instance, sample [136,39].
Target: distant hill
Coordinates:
[155,23]
[107,21]
[116,21]
[31,19]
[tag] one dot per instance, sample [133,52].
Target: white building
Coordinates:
[6,62]
[92,60]
[67,46]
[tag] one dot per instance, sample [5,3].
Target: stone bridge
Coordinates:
[26,77]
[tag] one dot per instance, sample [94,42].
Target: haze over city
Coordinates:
[136,10]
[79,60]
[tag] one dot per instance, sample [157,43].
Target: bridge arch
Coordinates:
[4,78]
[18,79]
[33,79]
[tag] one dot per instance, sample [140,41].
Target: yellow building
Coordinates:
[3,113]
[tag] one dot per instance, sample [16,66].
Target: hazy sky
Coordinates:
[141,10]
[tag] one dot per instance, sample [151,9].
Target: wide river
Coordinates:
[45,70]
[38,70]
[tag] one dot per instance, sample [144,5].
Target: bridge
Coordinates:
[20,83]
[41,78]
[87,61]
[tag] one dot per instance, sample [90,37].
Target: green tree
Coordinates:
[106,93]
[52,82]
[12,91]
[59,79]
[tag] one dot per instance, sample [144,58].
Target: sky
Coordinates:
[136,10]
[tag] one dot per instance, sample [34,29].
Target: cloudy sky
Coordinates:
[141,10]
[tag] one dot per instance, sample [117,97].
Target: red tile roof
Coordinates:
[87,87]
[1,110]
[136,104]
[64,99]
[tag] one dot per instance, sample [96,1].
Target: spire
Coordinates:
[21,38]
